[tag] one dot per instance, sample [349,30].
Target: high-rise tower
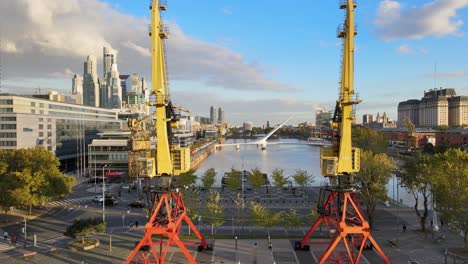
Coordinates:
[213,115]
[90,82]
[220,116]
[77,87]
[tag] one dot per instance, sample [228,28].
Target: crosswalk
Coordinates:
[4,246]
[69,201]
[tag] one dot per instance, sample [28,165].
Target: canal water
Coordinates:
[289,157]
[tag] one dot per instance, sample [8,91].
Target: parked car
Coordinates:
[111,202]
[98,198]
[137,204]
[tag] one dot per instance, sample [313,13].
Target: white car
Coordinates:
[98,199]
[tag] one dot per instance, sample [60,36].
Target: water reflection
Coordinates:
[247,157]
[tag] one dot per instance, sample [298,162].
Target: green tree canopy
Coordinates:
[279,179]
[416,177]
[256,179]
[233,179]
[369,139]
[214,210]
[30,177]
[450,188]
[291,219]
[192,202]
[376,170]
[83,227]
[264,217]
[303,178]
[208,178]
[187,178]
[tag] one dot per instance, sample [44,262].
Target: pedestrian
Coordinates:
[270,247]
[13,241]
[404,228]
[136,224]
[441,223]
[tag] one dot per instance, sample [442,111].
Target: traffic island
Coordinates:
[83,245]
[458,253]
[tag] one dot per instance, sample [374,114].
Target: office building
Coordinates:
[323,118]
[438,107]
[221,117]
[367,118]
[62,128]
[213,115]
[91,96]
[248,126]
[77,87]
[114,89]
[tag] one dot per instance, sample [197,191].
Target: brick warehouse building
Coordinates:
[451,138]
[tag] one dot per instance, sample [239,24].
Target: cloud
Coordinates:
[446,75]
[44,37]
[227,10]
[437,18]
[241,110]
[404,49]
[145,52]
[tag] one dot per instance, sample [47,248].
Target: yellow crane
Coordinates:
[410,143]
[339,207]
[168,159]
[167,212]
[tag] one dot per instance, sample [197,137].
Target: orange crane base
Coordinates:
[162,231]
[346,226]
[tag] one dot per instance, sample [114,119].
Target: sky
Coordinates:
[259,60]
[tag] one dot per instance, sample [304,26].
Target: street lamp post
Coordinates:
[137,183]
[25,232]
[103,196]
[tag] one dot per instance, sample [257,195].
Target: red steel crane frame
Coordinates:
[351,227]
[165,223]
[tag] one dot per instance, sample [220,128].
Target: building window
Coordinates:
[33,111]
[7,143]
[41,134]
[6,110]
[7,135]
[41,119]
[49,126]
[41,105]
[27,129]
[41,112]
[7,126]
[33,104]
[49,134]
[8,118]
[6,102]
[41,126]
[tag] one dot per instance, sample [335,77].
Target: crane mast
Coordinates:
[340,161]
[338,206]
[167,213]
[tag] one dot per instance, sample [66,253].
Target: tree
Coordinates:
[416,177]
[82,228]
[208,178]
[30,177]
[376,170]
[187,178]
[192,202]
[233,179]
[368,139]
[256,179]
[264,217]
[279,179]
[450,188]
[239,203]
[214,210]
[303,178]
[291,219]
